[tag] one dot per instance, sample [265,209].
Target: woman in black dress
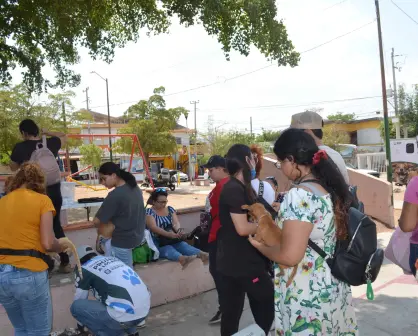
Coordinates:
[244,270]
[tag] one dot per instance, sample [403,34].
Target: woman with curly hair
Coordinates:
[316,208]
[26,234]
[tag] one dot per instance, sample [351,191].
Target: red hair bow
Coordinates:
[319,155]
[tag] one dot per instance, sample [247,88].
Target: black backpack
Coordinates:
[357,260]
[260,199]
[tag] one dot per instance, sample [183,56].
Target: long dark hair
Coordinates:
[154,195]
[299,147]
[236,161]
[109,168]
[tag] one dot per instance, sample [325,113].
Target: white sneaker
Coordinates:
[141,325]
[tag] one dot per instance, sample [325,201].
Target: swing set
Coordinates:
[135,142]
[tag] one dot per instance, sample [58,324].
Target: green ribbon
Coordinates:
[370,293]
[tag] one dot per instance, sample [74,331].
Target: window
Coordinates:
[178,141]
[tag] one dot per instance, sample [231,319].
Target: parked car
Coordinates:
[364,171]
[173,176]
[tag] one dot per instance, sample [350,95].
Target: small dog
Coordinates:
[268,232]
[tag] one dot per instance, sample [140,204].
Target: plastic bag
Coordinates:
[398,249]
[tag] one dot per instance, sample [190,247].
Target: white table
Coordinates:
[76,205]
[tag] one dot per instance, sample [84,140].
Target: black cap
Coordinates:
[215,161]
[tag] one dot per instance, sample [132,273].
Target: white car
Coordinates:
[183,176]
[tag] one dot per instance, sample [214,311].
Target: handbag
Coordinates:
[398,249]
[164,241]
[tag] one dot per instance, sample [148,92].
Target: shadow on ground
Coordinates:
[387,315]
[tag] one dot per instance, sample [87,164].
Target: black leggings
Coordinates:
[217,277]
[260,292]
[54,193]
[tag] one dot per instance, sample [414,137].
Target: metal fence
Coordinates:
[372,161]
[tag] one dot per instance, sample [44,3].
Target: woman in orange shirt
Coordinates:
[26,227]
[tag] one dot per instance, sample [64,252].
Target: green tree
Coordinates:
[39,33]
[17,104]
[267,136]
[408,110]
[220,141]
[91,154]
[153,123]
[333,137]
[342,117]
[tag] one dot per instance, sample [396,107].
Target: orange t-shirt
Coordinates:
[20,218]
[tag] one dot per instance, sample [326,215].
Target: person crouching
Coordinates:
[122,299]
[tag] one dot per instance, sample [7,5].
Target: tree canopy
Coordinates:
[408,110]
[268,136]
[16,104]
[153,123]
[333,137]
[42,32]
[342,117]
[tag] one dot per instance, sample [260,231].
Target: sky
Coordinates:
[330,76]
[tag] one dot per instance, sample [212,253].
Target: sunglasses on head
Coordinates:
[158,190]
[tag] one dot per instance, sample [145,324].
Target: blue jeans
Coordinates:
[93,315]
[124,255]
[413,256]
[26,298]
[175,251]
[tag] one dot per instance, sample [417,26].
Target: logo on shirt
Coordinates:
[132,277]
[122,307]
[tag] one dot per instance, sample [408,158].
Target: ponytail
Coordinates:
[109,168]
[327,172]
[236,161]
[128,178]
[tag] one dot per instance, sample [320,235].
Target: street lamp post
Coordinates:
[108,114]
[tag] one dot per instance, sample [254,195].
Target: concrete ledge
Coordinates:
[168,282]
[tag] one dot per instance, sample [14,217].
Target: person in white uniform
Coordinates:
[122,299]
[312,123]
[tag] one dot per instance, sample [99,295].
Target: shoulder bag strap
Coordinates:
[311,243]
[261,189]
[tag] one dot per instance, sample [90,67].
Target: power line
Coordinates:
[298,105]
[336,4]
[250,72]
[404,12]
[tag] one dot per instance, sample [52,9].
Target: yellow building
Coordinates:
[364,132]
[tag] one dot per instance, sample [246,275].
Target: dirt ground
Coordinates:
[186,196]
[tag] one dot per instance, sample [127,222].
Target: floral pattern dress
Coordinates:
[316,303]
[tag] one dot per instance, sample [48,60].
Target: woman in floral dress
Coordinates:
[316,208]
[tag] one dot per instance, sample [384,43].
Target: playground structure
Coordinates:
[135,141]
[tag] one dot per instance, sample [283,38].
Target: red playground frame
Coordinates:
[135,141]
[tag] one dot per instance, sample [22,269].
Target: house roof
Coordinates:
[326,122]
[102,118]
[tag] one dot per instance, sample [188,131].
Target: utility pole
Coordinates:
[395,96]
[195,102]
[251,126]
[108,113]
[384,96]
[67,153]
[108,120]
[189,155]
[88,110]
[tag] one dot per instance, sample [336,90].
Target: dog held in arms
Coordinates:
[268,232]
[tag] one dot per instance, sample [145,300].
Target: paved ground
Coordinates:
[395,294]
[392,313]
